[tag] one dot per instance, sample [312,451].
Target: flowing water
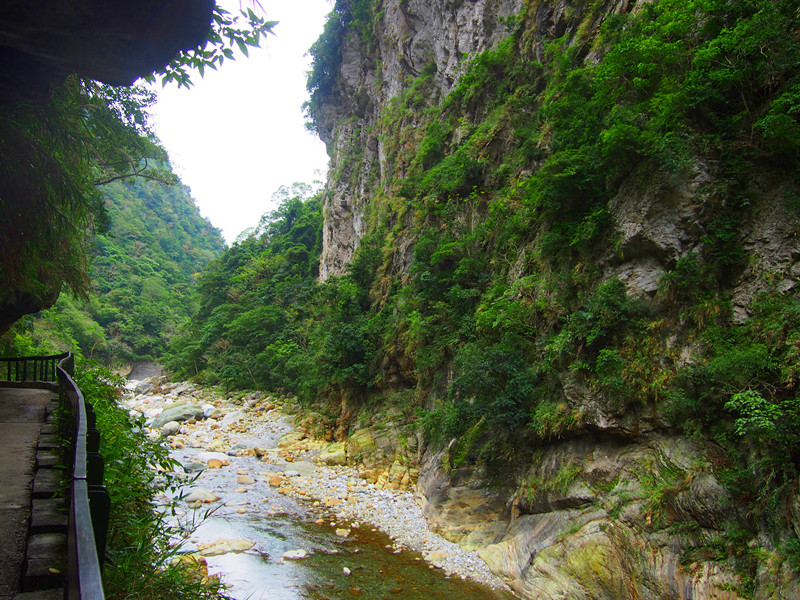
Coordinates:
[361,563]
[375,570]
[279,524]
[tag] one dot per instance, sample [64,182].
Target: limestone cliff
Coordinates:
[581,229]
[410,36]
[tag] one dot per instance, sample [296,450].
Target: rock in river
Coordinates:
[178,413]
[200,495]
[224,546]
[170,428]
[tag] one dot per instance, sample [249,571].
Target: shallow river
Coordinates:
[278,524]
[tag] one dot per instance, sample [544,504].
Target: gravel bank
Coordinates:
[395,513]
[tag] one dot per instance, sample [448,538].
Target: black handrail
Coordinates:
[32,368]
[89,502]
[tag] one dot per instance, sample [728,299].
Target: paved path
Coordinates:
[22,414]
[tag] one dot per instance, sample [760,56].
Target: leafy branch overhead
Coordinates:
[227,31]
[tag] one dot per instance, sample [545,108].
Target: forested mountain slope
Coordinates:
[143,274]
[560,240]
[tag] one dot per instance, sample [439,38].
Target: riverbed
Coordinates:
[304,530]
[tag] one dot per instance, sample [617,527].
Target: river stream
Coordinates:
[342,559]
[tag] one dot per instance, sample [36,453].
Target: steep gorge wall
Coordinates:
[410,36]
[611,491]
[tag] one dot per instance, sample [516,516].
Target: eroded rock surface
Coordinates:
[41,42]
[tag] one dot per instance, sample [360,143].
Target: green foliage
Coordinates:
[145,268]
[141,544]
[599,322]
[326,52]
[49,202]
[457,174]
[494,383]
[256,319]
[536,488]
[661,481]
[759,417]
[444,422]
[143,273]
[553,419]
[241,31]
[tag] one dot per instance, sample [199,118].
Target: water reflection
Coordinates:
[376,571]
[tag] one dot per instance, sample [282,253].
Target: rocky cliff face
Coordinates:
[612,498]
[412,36]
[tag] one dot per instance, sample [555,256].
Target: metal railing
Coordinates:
[89,503]
[32,369]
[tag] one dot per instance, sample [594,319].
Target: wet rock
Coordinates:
[360,443]
[226,546]
[291,438]
[343,533]
[245,480]
[200,495]
[295,554]
[206,456]
[194,562]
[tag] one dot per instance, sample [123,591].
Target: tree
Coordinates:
[54,155]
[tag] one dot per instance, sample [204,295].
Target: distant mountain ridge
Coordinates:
[142,278]
[144,266]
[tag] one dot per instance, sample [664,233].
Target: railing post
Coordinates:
[100,506]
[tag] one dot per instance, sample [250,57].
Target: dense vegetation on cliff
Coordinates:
[497,291]
[143,269]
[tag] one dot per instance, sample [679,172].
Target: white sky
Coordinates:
[238,134]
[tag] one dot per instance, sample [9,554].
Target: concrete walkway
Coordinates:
[22,415]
